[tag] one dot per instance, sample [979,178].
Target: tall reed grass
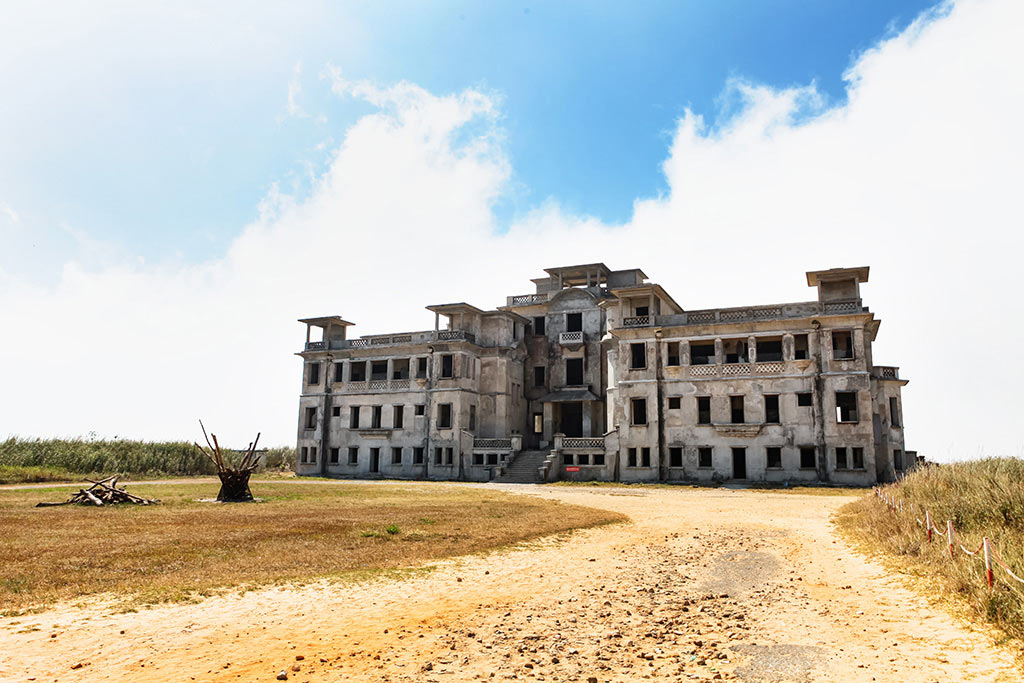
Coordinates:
[981,498]
[51,459]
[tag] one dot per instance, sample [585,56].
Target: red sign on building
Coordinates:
[572,469]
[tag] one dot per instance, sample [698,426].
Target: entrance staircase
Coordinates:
[524,469]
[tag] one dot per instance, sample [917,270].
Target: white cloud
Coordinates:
[916,175]
[292,107]
[9,214]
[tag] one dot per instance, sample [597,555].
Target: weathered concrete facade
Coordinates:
[601,375]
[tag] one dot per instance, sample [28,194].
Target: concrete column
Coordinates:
[549,421]
[586,419]
[391,364]
[650,304]
[307,332]
[684,353]
[788,347]
[347,371]
[437,321]
[719,351]
[752,349]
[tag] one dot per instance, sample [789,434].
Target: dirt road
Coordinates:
[703,584]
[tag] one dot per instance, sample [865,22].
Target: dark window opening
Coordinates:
[808,458]
[739,463]
[704,457]
[639,410]
[702,354]
[357,371]
[538,325]
[444,416]
[396,456]
[673,402]
[736,408]
[303,455]
[478,458]
[841,458]
[379,369]
[642,311]
[631,462]
[353,455]
[675,457]
[735,351]
[769,350]
[353,417]
[334,455]
[771,409]
[421,368]
[800,348]
[846,406]
[599,459]
[645,457]
[447,366]
[568,459]
[583,459]
[774,458]
[448,455]
[673,354]
[398,416]
[400,368]
[312,454]
[858,458]
[310,418]
[314,373]
[375,415]
[842,345]
[574,371]
[335,411]
[704,410]
[803,399]
[472,418]
[573,322]
[538,376]
[374,460]
[897,460]
[420,409]
[638,356]
[492,458]
[417,455]
[515,331]
[438,456]
[339,372]
[894,412]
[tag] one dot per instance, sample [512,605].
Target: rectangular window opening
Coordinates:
[353,455]
[842,345]
[702,354]
[357,371]
[645,457]
[846,406]
[858,458]
[400,368]
[398,416]
[704,410]
[538,423]
[538,325]
[420,409]
[673,354]
[674,402]
[704,457]
[736,409]
[538,376]
[376,413]
[447,366]
[675,457]
[444,416]
[353,417]
[421,368]
[335,452]
[396,456]
[774,458]
[379,369]
[631,457]
[573,371]
[841,463]
[637,356]
[314,373]
[417,455]
[573,322]
[800,347]
[639,411]
[310,418]
[808,458]
[339,372]
[894,412]
[771,408]
[803,399]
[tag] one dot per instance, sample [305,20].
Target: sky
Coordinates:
[179,183]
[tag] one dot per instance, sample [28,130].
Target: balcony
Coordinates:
[456,335]
[586,443]
[378,385]
[638,321]
[887,372]
[316,346]
[759,369]
[527,299]
[570,338]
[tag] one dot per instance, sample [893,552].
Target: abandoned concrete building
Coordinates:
[602,375]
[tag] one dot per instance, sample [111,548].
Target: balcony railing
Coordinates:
[583,442]
[526,299]
[316,346]
[375,385]
[570,338]
[742,369]
[748,314]
[496,444]
[456,335]
[887,372]
[637,321]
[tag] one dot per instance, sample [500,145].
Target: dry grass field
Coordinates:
[183,548]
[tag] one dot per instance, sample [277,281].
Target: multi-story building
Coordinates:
[600,374]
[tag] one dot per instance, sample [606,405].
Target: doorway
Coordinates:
[572,419]
[739,463]
[374,460]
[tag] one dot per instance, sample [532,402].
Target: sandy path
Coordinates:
[703,584]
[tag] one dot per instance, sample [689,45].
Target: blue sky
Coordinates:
[160,145]
[180,182]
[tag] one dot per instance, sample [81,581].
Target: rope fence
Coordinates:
[986,549]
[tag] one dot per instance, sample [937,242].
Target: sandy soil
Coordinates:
[703,584]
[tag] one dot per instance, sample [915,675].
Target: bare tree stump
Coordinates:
[234,486]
